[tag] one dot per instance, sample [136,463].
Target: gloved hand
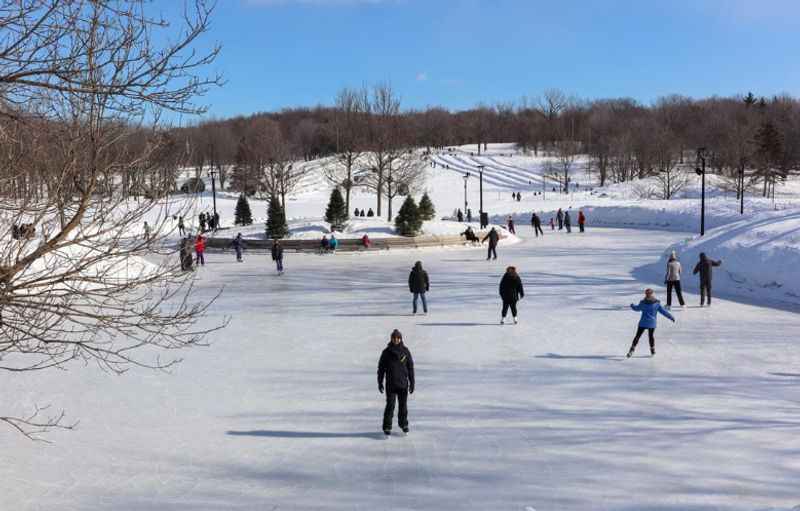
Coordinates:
[380,388]
[411,389]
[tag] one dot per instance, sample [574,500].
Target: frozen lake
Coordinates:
[282,411]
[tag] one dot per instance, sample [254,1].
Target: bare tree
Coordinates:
[275,156]
[671,178]
[405,176]
[384,141]
[80,77]
[350,123]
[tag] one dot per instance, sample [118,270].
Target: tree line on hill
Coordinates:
[749,140]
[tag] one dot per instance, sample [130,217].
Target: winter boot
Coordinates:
[405,430]
[630,353]
[387,432]
[652,352]
[502,321]
[515,320]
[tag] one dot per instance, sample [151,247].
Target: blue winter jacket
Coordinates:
[650,310]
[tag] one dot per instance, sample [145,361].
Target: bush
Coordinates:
[243,215]
[408,222]
[336,213]
[425,208]
[276,219]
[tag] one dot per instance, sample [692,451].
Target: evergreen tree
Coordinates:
[407,222]
[276,219]
[336,213]
[243,215]
[425,208]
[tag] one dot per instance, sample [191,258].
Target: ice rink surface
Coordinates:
[282,411]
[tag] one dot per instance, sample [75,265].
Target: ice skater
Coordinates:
[705,268]
[673,279]
[536,223]
[238,246]
[511,292]
[200,250]
[277,255]
[418,285]
[650,309]
[493,238]
[397,367]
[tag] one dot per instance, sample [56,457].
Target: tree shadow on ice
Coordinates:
[306,434]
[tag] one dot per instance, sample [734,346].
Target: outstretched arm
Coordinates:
[637,308]
[666,313]
[716,263]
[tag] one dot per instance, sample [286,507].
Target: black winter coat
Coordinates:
[397,366]
[511,288]
[277,252]
[536,221]
[492,236]
[418,281]
[704,268]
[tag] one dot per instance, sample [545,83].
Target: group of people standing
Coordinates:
[360,212]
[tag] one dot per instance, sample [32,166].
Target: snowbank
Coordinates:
[760,255]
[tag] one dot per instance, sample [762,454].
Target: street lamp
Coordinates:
[701,171]
[213,174]
[741,186]
[466,177]
[482,215]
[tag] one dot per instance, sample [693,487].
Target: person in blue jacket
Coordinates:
[238,245]
[650,308]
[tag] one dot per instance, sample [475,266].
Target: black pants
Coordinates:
[402,414]
[512,305]
[651,334]
[492,251]
[705,292]
[581,227]
[537,229]
[676,285]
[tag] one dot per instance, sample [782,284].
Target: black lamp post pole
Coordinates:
[702,171]
[480,170]
[213,174]
[466,177]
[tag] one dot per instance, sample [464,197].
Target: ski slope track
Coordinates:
[282,410]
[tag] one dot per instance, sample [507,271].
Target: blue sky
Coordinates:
[458,53]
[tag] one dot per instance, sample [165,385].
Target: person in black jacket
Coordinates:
[705,268]
[419,284]
[536,223]
[493,237]
[277,255]
[510,291]
[397,367]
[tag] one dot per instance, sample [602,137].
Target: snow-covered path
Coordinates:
[282,411]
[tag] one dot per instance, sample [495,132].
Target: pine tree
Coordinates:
[425,208]
[243,215]
[276,219]
[407,222]
[336,213]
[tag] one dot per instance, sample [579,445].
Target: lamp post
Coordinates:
[701,171]
[741,186]
[480,171]
[213,174]
[466,178]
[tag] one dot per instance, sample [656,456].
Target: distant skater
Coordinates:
[552,224]
[560,219]
[673,279]
[650,309]
[418,285]
[705,268]
[581,221]
[567,221]
[200,250]
[510,223]
[397,367]
[181,227]
[238,246]
[510,292]
[536,223]
[277,255]
[493,238]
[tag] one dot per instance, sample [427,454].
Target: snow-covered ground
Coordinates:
[282,410]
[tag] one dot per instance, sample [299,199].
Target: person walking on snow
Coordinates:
[181,227]
[146,231]
[705,268]
[333,243]
[673,279]
[560,218]
[493,238]
[396,367]
[418,284]
[510,223]
[277,255]
[459,216]
[567,221]
[536,223]
[581,220]
[650,309]
[510,292]
[200,249]
[238,246]
[552,224]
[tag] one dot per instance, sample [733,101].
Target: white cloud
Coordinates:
[421,77]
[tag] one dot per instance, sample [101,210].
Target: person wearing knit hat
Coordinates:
[650,309]
[396,367]
[673,279]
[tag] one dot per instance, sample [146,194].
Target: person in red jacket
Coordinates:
[365,241]
[581,220]
[200,249]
